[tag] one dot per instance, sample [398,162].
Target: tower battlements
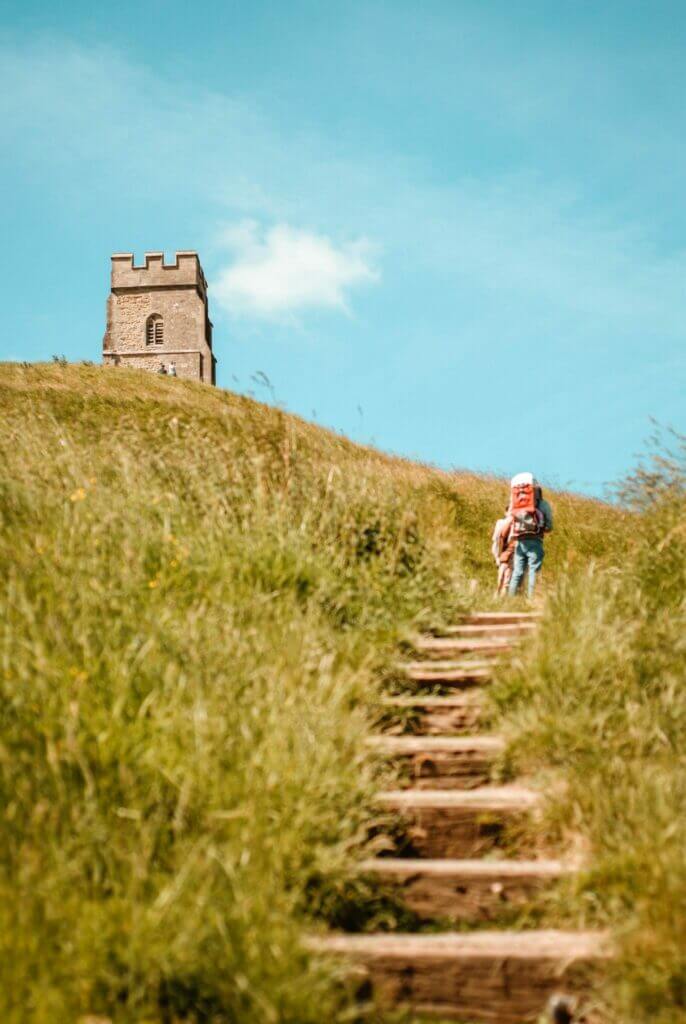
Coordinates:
[184,272]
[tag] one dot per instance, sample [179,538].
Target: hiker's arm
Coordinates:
[547,516]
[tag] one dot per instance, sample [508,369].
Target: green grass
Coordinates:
[599,704]
[198,597]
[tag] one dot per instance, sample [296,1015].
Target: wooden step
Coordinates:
[502,618]
[449,673]
[438,715]
[488,977]
[464,890]
[514,630]
[460,823]
[450,645]
[442,762]
[451,664]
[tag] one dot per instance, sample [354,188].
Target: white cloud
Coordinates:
[285,270]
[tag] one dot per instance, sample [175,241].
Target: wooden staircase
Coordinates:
[454,868]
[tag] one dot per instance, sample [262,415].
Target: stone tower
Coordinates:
[157,314]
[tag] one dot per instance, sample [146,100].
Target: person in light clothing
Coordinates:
[502,549]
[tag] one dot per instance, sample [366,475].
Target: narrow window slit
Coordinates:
[154,330]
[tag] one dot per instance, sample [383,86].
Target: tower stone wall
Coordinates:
[157,314]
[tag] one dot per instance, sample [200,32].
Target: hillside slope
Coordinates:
[598,704]
[197,595]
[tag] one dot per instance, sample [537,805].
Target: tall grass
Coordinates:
[197,594]
[600,703]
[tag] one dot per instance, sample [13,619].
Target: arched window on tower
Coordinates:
[154,330]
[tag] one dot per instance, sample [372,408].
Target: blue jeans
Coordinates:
[529,552]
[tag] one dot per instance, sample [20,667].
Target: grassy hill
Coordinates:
[599,706]
[198,595]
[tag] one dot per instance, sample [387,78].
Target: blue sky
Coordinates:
[454,229]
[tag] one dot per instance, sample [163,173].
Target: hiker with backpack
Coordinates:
[532,518]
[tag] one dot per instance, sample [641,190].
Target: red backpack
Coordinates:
[527,518]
